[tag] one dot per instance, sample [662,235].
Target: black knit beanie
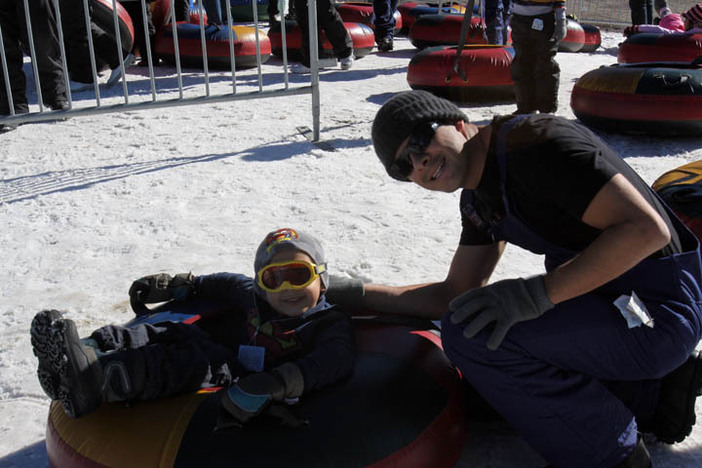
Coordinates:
[400,115]
[694,14]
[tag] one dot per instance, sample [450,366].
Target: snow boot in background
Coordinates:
[347,62]
[675,412]
[385,44]
[68,371]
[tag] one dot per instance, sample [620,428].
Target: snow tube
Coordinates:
[361,35]
[593,38]
[486,69]
[160,13]
[217,42]
[438,30]
[646,47]
[359,12]
[575,37]
[404,406]
[410,11]
[242,10]
[656,99]
[102,16]
[681,189]
[102,22]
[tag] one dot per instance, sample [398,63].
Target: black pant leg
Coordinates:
[11,20]
[329,20]
[520,69]
[140,35]
[333,26]
[182,10]
[301,16]
[641,11]
[534,69]
[547,72]
[163,359]
[48,51]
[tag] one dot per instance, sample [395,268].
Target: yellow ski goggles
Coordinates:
[295,274]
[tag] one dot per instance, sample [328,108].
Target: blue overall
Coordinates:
[573,380]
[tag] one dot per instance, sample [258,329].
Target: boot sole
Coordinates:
[61,373]
[47,353]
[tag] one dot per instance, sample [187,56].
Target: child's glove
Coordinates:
[159,288]
[506,303]
[561,27]
[252,394]
[346,293]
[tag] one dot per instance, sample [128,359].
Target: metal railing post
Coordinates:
[314,65]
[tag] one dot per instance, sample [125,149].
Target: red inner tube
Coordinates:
[434,30]
[217,43]
[647,47]
[403,407]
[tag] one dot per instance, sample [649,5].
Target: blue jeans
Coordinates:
[384,21]
[497,13]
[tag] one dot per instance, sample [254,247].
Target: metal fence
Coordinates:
[614,12]
[204,93]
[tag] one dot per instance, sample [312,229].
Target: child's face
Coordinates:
[294,302]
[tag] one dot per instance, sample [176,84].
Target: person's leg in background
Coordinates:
[384,23]
[140,36]
[521,68]
[641,11]
[494,21]
[48,54]
[11,18]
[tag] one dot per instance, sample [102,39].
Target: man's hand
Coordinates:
[506,303]
[561,27]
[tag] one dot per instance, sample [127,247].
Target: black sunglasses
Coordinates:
[419,139]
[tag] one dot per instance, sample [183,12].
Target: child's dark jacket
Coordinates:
[169,357]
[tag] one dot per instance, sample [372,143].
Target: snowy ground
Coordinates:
[90,204]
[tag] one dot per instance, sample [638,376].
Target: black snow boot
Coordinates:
[639,458]
[675,412]
[68,371]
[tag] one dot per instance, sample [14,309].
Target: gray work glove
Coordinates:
[505,302]
[561,27]
[160,287]
[346,293]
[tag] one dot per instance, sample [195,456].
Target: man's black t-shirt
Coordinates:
[554,168]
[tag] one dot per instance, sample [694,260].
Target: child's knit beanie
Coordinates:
[694,14]
[287,238]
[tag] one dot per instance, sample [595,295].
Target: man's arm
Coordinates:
[631,231]
[471,267]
